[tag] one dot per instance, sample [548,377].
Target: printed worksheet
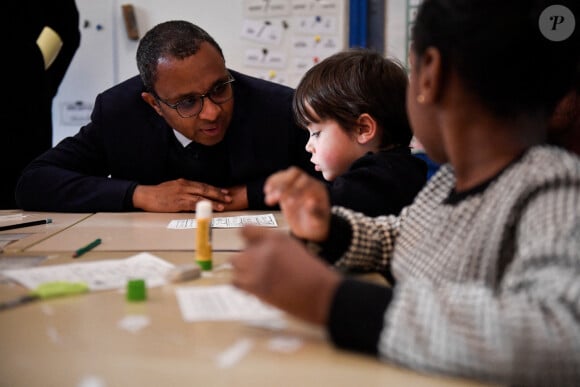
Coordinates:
[264,220]
[9,217]
[98,275]
[6,239]
[222,302]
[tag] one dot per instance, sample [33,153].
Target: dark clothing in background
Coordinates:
[28,99]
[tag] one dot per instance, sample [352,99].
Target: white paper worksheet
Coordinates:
[98,275]
[222,302]
[264,220]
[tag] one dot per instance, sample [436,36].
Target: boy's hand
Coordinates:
[304,201]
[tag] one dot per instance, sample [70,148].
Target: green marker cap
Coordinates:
[205,264]
[136,290]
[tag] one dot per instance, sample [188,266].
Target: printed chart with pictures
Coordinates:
[284,38]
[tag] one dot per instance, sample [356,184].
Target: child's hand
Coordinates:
[304,201]
[279,270]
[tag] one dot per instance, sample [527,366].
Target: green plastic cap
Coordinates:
[136,290]
[205,264]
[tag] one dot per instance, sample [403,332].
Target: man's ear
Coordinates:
[151,101]
[367,128]
[430,76]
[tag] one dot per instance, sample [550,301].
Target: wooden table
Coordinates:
[143,231]
[78,340]
[37,234]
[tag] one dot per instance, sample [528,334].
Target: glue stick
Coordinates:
[203,214]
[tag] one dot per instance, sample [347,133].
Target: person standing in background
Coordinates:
[39,48]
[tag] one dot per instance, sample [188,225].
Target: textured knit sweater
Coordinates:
[486,282]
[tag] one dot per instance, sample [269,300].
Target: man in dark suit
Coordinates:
[186,129]
[35,82]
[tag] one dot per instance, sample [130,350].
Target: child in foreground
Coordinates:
[353,105]
[486,260]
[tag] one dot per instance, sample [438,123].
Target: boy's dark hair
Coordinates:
[172,39]
[499,51]
[350,83]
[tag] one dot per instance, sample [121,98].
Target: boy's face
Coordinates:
[333,149]
[198,74]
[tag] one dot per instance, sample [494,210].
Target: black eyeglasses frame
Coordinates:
[208,94]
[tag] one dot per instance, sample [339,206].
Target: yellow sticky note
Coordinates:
[50,44]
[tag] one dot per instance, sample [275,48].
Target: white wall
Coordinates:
[396,26]
[220,18]
[93,68]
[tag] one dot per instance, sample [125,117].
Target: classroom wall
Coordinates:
[294,33]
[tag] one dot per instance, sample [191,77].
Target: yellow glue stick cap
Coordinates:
[203,209]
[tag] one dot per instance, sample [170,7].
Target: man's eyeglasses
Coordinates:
[191,105]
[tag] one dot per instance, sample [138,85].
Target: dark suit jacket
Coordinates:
[128,143]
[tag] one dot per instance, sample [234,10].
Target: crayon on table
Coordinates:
[87,248]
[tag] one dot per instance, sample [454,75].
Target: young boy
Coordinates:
[486,260]
[353,105]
